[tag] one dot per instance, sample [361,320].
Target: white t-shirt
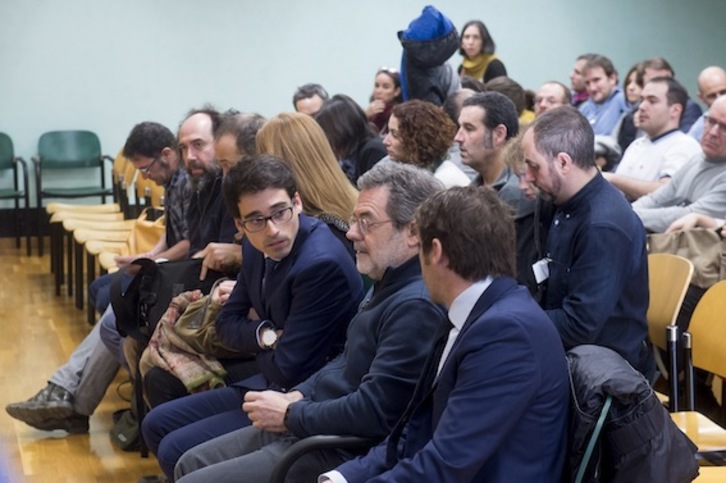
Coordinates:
[650,160]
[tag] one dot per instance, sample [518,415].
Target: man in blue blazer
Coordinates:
[492,402]
[299,280]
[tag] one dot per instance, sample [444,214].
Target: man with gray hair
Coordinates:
[365,390]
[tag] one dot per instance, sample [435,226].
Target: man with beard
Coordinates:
[596,264]
[487,122]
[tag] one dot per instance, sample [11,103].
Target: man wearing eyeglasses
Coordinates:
[76,388]
[297,278]
[364,390]
[711,85]
[699,187]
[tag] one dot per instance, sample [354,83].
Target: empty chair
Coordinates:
[9,162]
[668,279]
[707,332]
[63,152]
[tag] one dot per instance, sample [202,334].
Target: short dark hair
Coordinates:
[307,91]
[657,63]
[254,174]
[243,127]
[149,139]
[676,94]
[487,42]
[452,104]
[510,88]
[468,82]
[345,125]
[498,109]
[598,60]
[564,130]
[408,187]
[475,228]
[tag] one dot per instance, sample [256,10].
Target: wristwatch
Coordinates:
[268,338]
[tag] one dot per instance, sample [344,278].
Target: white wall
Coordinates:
[105,65]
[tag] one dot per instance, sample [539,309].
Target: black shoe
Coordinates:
[74,424]
[51,402]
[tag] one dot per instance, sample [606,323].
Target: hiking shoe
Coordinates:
[74,424]
[51,402]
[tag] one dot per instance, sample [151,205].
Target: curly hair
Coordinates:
[425,131]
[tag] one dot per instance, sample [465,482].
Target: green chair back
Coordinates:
[7,153]
[69,149]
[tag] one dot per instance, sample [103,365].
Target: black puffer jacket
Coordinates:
[430,40]
[639,441]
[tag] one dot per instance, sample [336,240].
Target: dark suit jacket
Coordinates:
[497,411]
[311,295]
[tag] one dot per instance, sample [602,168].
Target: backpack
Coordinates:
[152,287]
[638,439]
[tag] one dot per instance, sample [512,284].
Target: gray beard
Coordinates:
[199,184]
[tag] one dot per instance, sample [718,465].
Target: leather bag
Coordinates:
[704,248]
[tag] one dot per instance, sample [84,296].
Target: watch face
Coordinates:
[269,338]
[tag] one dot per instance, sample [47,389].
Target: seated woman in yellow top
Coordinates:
[477,47]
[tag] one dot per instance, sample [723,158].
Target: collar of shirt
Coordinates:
[462,305]
[459,311]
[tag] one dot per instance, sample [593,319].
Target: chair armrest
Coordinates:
[314,443]
[24,165]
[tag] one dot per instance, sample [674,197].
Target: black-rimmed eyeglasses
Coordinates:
[146,169]
[258,223]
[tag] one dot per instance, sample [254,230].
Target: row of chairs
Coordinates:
[60,154]
[702,346]
[87,234]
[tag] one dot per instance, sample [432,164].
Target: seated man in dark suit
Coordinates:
[491,404]
[300,281]
[364,391]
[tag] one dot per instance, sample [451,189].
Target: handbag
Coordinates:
[147,230]
[704,248]
[152,287]
[196,327]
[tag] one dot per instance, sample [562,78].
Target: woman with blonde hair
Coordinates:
[324,189]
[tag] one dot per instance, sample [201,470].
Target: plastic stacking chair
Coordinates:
[64,152]
[123,174]
[704,347]
[669,276]
[19,191]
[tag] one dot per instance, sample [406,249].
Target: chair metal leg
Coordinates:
[688,372]
[79,274]
[69,264]
[672,348]
[39,219]
[56,256]
[90,277]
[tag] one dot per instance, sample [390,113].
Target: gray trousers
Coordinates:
[88,372]
[250,454]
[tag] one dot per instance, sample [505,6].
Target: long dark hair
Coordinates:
[345,125]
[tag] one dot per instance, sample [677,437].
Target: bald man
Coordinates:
[711,84]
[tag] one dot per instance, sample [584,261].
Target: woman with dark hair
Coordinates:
[420,133]
[354,140]
[386,94]
[477,47]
